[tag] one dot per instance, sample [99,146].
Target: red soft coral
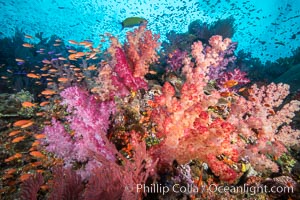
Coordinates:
[124,75]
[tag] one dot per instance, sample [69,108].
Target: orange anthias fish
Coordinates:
[40,136]
[18,139]
[13,133]
[16,156]
[32,75]
[72,51]
[79,54]
[48,92]
[230,83]
[24,177]
[27,45]
[27,125]
[10,171]
[92,67]
[72,56]
[63,80]
[44,103]
[28,104]
[226,94]
[22,123]
[37,154]
[73,42]
[45,61]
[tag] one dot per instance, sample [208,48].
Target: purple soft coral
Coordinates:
[89,119]
[176,60]
[236,75]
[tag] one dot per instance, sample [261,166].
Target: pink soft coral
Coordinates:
[59,141]
[89,119]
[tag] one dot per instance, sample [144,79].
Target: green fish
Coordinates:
[132,21]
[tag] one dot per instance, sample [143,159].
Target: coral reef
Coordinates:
[189,130]
[105,123]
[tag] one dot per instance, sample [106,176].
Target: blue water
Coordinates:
[264,28]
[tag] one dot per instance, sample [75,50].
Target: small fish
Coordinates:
[44,68]
[24,177]
[35,143]
[271,111]
[27,125]
[45,61]
[92,55]
[92,67]
[22,122]
[40,114]
[62,58]
[44,187]
[280,43]
[79,54]
[40,136]
[63,80]
[76,69]
[242,89]
[27,45]
[73,42]
[53,70]
[20,60]
[13,133]
[37,154]
[32,75]
[95,89]
[132,21]
[18,139]
[152,72]
[72,51]
[28,104]
[84,43]
[230,83]
[11,158]
[48,92]
[226,94]
[36,164]
[28,36]
[244,168]
[72,56]
[10,171]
